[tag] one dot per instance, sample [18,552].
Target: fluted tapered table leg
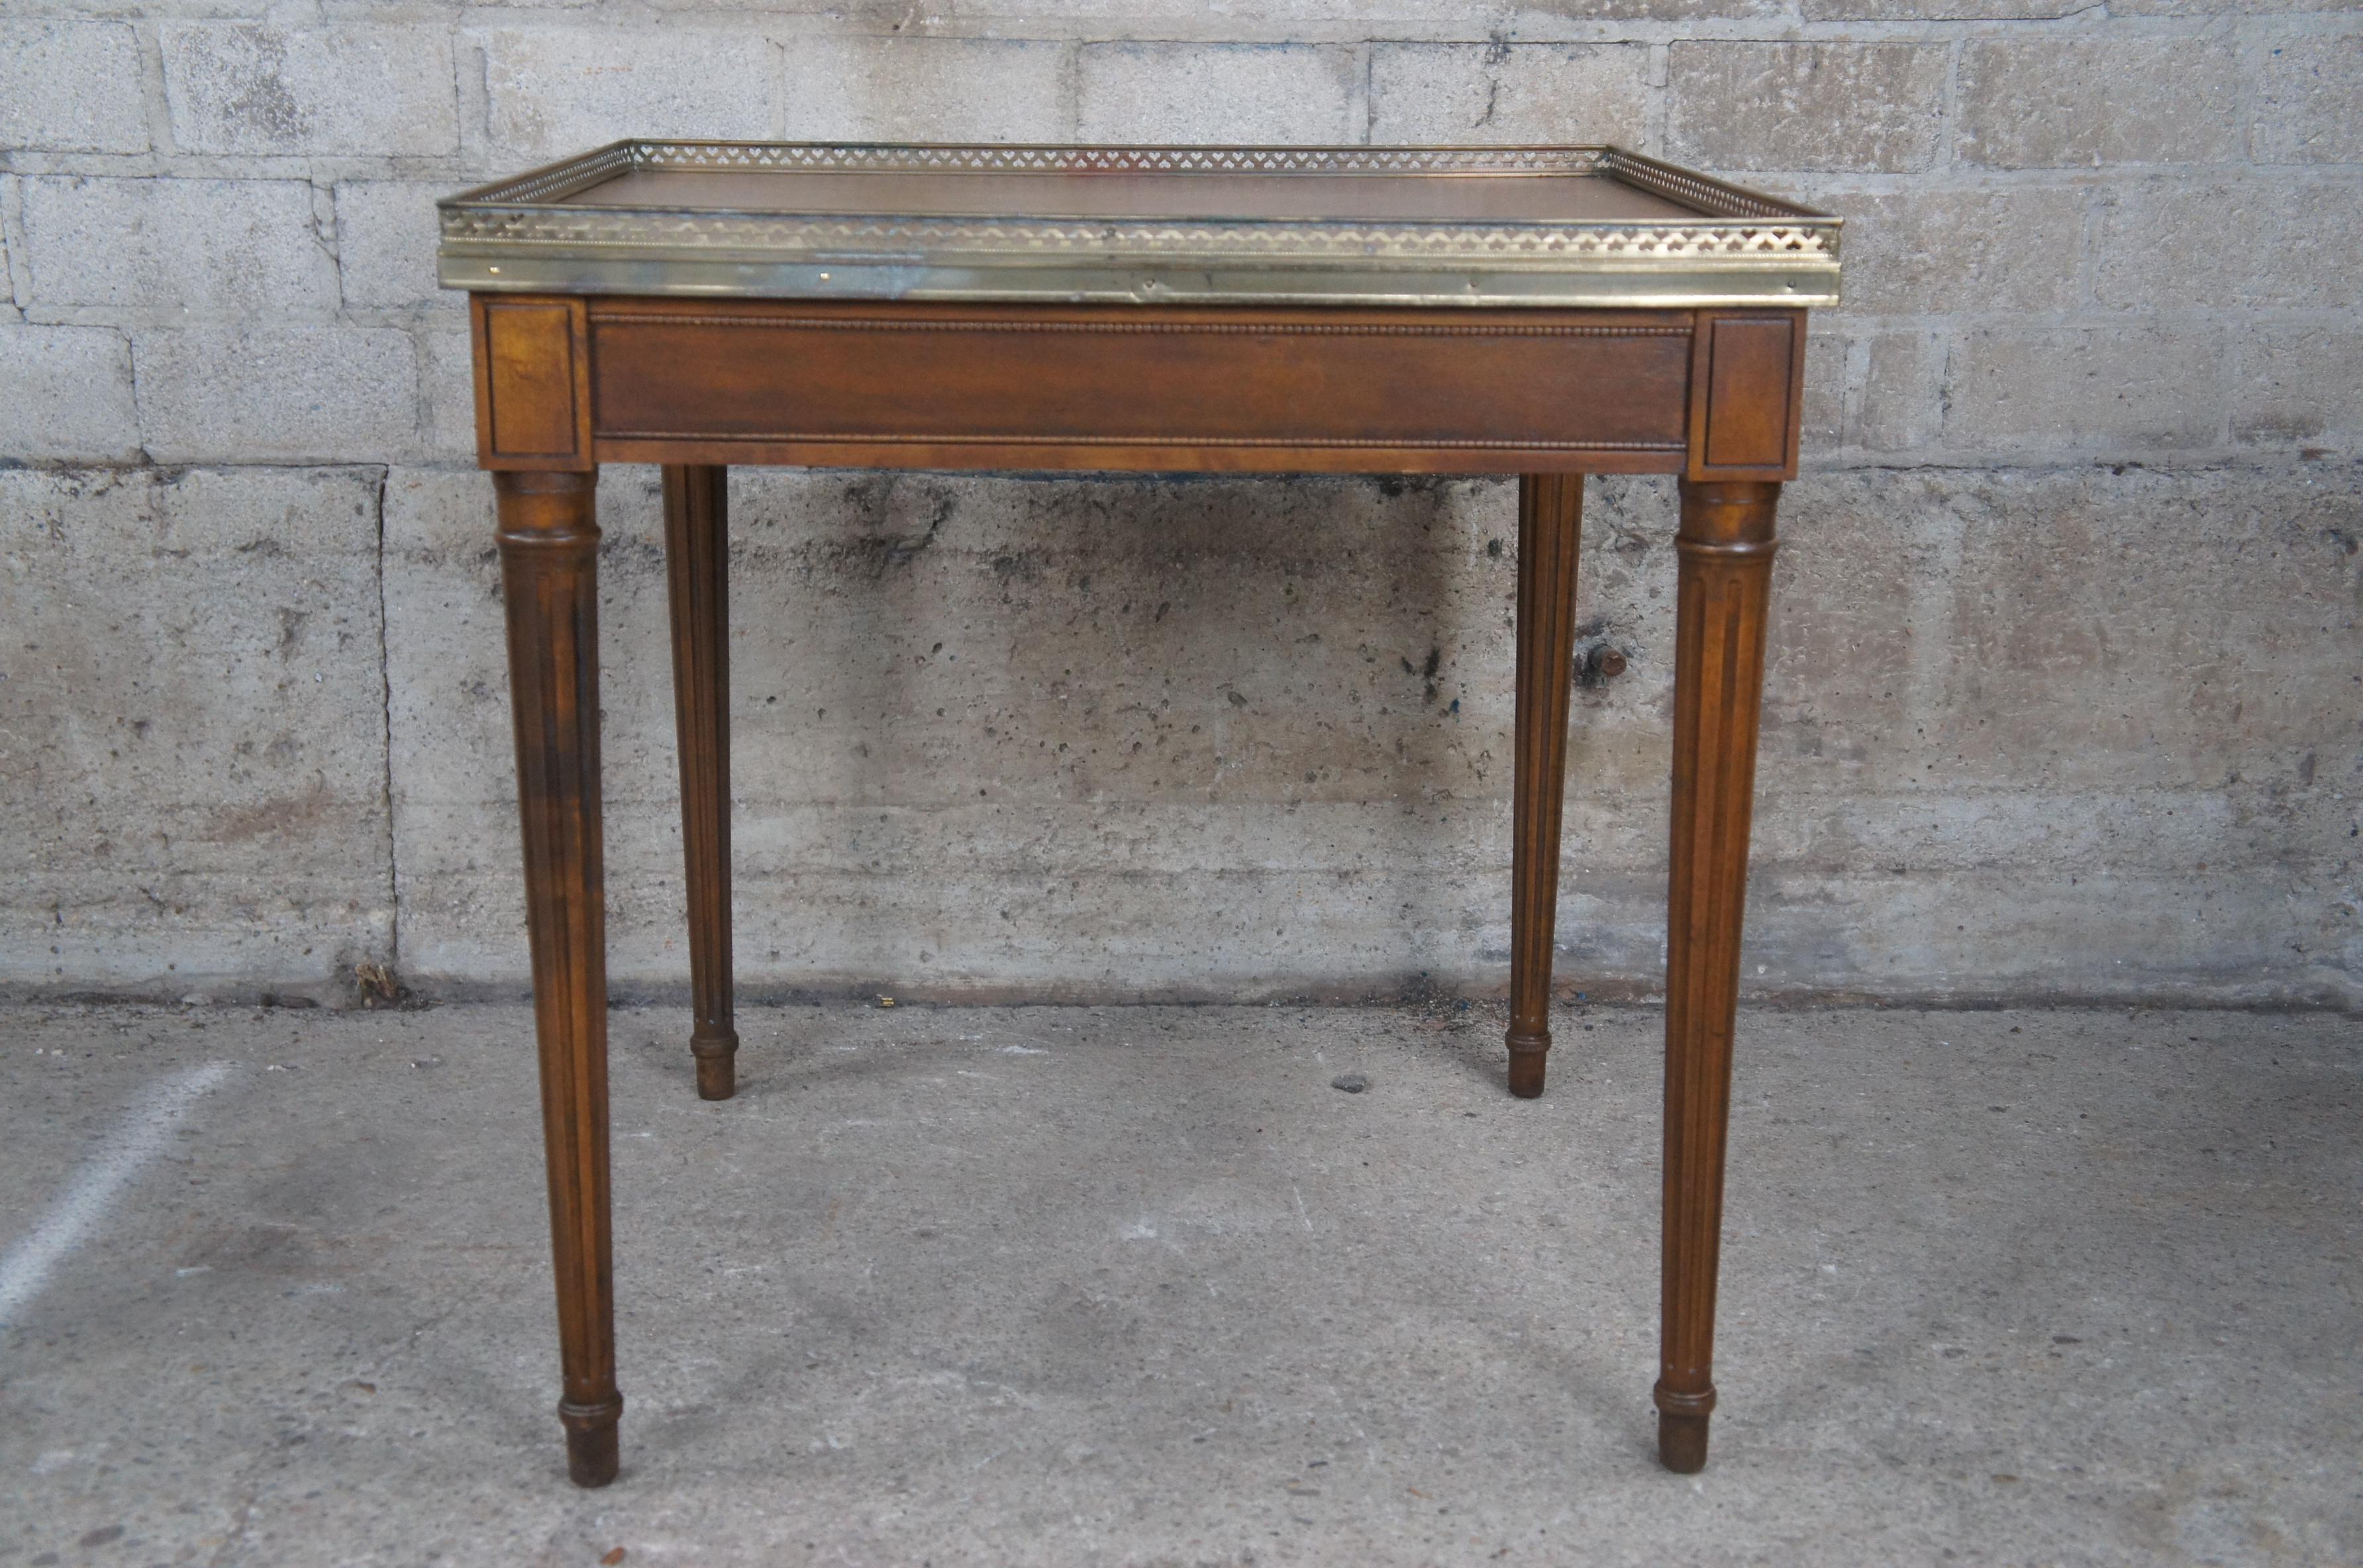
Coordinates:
[697,563]
[550,549]
[1551,532]
[1726,543]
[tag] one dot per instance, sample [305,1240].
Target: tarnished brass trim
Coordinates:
[1743,249]
[879,156]
[645,228]
[1656,288]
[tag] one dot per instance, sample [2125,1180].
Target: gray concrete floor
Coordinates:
[1066,1285]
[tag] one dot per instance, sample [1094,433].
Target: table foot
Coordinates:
[717,1074]
[592,1456]
[1527,1062]
[1681,1430]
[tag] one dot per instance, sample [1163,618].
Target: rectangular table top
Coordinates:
[1489,226]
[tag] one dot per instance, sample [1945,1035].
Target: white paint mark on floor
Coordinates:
[142,1134]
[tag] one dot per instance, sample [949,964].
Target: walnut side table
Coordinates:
[1546,311]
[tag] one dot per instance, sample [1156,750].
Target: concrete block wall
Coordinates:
[2067,696]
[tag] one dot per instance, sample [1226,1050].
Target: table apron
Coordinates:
[573,381]
[919,386]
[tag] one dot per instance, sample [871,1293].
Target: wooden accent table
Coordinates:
[1546,311]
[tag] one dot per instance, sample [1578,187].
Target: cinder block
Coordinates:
[197,728]
[1804,106]
[348,88]
[1560,22]
[1914,252]
[1284,93]
[1823,426]
[2301,385]
[2221,7]
[2310,101]
[1950,685]
[2068,388]
[1903,386]
[70,87]
[208,247]
[927,89]
[1938,10]
[446,681]
[553,91]
[284,393]
[2109,632]
[1514,92]
[69,395]
[447,374]
[2169,243]
[1350,22]
[386,235]
[2254,935]
[2057,103]
[1842,643]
